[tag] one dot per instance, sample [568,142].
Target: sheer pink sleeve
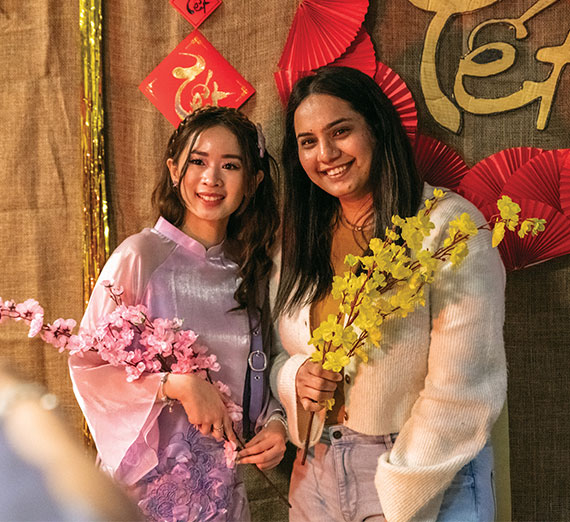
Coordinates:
[121,415]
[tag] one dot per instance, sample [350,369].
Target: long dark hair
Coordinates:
[310,212]
[254,225]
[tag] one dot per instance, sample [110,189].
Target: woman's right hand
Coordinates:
[203,404]
[315,385]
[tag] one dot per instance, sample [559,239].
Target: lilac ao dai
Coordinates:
[139,441]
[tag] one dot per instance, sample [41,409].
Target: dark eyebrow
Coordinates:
[327,126]
[226,156]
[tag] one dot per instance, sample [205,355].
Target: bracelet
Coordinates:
[163,397]
[279,418]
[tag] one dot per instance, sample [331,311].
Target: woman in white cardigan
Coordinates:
[407,438]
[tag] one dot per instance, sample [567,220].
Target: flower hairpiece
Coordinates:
[260,140]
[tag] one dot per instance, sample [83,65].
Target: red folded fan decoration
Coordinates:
[285,79]
[538,179]
[400,96]
[192,75]
[195,11]
[438,164]
[321,31]
[359,55]
[532,178]
[486,179]
[554,241]
[565,185]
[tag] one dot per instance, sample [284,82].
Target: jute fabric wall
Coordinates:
[40,180]
[40,236]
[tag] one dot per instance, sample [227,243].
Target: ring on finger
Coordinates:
[218,428]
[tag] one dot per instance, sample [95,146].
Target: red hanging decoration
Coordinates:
[486,179]
[565,183]
[321,31]
[192,75]
[438,164]
[554,241]
[538,179]
[359,55]
[195,11]
[400,96]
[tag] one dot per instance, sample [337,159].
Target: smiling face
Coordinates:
[214,184]
[335,147]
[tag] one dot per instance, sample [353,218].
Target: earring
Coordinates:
[174,184]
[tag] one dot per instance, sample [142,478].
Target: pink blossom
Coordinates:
[184,339]
[79,344]
[58,333]
[8,308]
[29,309]
[224,388]
[36,325]
[134,314]
[230,452]
[126,337]
[134,372]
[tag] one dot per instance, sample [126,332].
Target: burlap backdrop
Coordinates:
[40,175]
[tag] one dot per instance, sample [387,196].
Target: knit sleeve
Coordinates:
[465,386]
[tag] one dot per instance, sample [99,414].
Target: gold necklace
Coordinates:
[357,228]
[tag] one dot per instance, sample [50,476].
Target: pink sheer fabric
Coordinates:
[174,276]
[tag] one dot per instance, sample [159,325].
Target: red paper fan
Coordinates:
[400,96]
[554,241]
[438,164]
[565,183]
[538,179]
[486,179]
[321,31]
[360,55]
[285,81]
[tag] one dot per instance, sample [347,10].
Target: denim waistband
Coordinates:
[340,434]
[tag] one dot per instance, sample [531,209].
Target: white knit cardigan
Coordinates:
[439,378]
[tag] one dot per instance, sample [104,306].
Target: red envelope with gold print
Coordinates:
[195,11]
[193,75]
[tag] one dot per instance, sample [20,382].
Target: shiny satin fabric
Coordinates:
[174,276]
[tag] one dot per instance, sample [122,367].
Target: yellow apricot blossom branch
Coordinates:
[399,265]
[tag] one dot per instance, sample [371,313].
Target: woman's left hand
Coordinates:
[267,448]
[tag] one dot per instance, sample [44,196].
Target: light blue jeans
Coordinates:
[337,482]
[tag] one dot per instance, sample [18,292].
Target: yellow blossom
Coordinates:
[317,356]
[404,300]
[375,244]
[400,270]
[428,265]
[374,335]
[350,260]
[339,285]
[336,360]
[532,225]
[464,224]
[458,254]
[438,193]
[508,209]
[498,233]
[362,354]
[391,235]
